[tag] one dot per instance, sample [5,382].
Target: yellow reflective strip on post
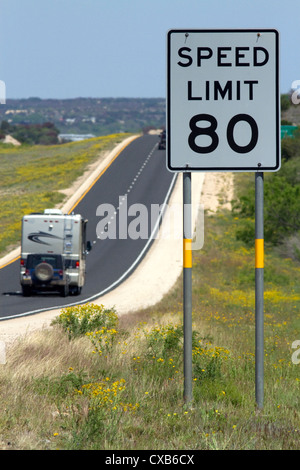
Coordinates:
[187,253]
[259,253]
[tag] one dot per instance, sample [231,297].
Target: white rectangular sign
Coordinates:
[223,100]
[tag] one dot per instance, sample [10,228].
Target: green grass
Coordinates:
[31,178]
[121,388]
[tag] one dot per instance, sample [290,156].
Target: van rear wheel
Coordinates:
[43,272]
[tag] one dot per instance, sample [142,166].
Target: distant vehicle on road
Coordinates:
[53,252]
[162,142]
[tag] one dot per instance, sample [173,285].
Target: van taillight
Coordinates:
[22,262]
[60,272]
[77,264]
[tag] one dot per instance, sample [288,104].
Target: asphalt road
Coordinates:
[137,176]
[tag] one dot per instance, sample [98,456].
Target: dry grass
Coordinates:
[45,406]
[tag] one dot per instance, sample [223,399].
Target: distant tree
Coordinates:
[5,127]
[285,102]
[49,125]
[290,146]
[33,134]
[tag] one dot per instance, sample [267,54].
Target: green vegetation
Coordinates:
[31,134]
[32,178]
[96,381]
[82,319]
[285,102]
[282,202]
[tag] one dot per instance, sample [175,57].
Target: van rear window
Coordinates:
[34,260]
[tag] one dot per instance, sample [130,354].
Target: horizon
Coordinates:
[92,98]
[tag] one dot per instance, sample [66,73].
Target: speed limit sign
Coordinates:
[223,102]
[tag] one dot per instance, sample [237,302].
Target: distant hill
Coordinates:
[98,116]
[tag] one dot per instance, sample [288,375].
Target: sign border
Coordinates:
[277,107]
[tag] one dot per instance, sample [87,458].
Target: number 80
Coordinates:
[211,132]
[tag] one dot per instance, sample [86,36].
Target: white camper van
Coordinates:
[53,252]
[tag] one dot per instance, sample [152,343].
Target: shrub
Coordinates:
[207,361]
[81,319]
[164,340]
[102,339]
[281,208]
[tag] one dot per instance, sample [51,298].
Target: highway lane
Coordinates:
[137,176]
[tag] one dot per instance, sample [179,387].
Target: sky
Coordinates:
[117,48]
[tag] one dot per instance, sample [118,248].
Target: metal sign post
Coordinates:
[259,289]
[187,287]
